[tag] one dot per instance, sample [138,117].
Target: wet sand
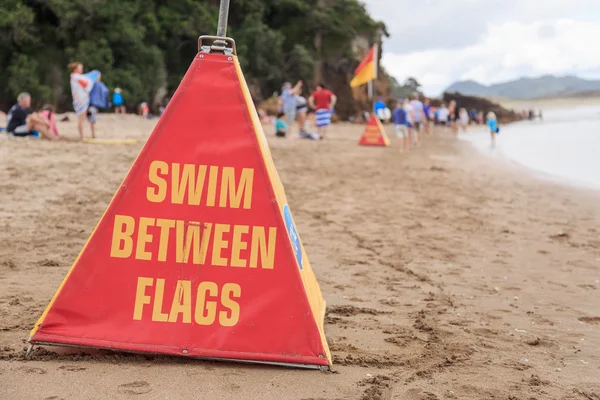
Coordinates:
[447,274]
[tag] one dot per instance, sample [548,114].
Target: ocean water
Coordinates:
[565,146]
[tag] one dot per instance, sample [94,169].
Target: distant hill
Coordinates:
[528,88]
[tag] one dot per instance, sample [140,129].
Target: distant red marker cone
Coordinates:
[374,134]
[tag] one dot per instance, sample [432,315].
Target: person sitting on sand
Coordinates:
[322,101]
[492,123]
[49,113]
[118,102]
[22,121]
[281,127]
[310,122]
[145,110]
[81,86]
[403,128]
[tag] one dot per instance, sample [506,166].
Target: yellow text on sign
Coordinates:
[201,244]
[199,185]
[204,304]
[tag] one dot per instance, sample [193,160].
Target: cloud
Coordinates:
[441,41]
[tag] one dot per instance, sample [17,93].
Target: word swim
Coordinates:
[199,184]
[167,240]
[205,304]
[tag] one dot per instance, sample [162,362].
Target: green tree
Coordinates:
[146,46]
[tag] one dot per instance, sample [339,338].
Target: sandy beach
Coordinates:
[447,274]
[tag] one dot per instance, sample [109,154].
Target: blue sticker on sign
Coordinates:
[293,234]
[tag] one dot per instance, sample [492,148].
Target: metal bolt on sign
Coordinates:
[221,43]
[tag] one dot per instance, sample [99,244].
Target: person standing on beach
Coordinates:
[322,101]
[379,109]
[301,110]
[453,117]
[287,102]
[492,123]
[118,102]
[417,117]
[81,86]
[443,115]
[463,119]
[403,129]
[428,115]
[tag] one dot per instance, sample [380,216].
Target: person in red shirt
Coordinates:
[323,101]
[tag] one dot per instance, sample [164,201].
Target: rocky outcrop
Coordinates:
[480,104]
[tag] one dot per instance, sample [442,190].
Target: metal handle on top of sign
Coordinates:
[220,41]
[219,45]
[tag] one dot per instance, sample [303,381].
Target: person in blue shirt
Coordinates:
[118,102]
[428,116]
[403,127]
[492,123]
[280,125]
[379,108]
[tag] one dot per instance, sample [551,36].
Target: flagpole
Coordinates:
[372,89]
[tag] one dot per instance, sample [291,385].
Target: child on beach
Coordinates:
[81,87]
[403,129]
[118,102]
[49,113]
[280,125]
[492,122]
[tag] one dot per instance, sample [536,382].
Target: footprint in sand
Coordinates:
[33,370]
[418,394]
[590,320]
[72,368]
[137,387]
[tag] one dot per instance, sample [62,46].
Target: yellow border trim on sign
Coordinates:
[311,287]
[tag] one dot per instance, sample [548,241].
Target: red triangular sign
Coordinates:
[374,134]
[197,254]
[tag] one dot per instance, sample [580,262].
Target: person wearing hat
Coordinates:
[117,101]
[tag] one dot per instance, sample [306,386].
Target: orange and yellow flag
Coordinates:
[367,70]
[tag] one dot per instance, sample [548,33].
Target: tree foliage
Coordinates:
[406,89]
[146,46]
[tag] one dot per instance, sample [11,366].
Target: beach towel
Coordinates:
[99,95]
[49,115]
[323,117]
[81,87]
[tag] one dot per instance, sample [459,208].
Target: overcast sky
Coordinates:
[490,41]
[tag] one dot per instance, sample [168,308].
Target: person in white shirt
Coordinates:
[417,116]
[442,115]
[463,119]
